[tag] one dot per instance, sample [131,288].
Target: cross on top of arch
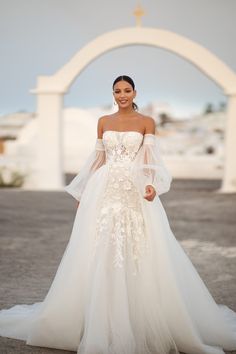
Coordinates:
[138,13]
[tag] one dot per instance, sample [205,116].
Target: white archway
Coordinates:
[50,91]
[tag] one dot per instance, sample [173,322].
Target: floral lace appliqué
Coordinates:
[120,222]
[121,147]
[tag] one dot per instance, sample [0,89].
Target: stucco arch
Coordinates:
[50,91]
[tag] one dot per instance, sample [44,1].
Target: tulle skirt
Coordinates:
[157,304]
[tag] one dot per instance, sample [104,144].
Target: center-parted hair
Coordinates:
[130,81]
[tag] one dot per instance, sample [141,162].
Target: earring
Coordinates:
[115,103]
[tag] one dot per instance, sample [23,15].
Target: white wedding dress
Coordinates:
[124,284]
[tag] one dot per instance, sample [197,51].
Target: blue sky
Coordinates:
[37,37]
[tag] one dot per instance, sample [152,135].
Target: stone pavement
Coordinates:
[36,226]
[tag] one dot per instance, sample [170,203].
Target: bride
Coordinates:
[124,284]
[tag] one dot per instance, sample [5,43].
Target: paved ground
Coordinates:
[36,226]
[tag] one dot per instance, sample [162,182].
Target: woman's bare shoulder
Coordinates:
[103,119]
[149,124]
[101,123]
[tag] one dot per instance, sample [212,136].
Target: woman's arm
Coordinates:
[150,172]
[150,128]
[94,161]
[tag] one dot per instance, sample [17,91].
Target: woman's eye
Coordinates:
[126,91]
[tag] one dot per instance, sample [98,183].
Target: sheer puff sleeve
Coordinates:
[94,161]
[149,168]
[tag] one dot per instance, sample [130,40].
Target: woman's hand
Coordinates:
[150,193]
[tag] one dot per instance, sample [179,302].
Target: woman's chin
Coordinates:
[125,105]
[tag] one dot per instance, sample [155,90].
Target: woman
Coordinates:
[124,284]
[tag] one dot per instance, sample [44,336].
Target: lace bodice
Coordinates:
[121,201]
[130,150]
[121,146]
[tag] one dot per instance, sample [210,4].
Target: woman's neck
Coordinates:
[125,111]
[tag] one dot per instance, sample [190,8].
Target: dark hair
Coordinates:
[130,81]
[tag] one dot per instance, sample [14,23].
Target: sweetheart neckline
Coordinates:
[124,131]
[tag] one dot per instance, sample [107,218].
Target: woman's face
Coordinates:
[123,94]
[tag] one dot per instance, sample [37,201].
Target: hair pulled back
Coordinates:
[131,82]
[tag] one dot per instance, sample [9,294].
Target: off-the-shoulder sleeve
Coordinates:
[149,167]
[95,160]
